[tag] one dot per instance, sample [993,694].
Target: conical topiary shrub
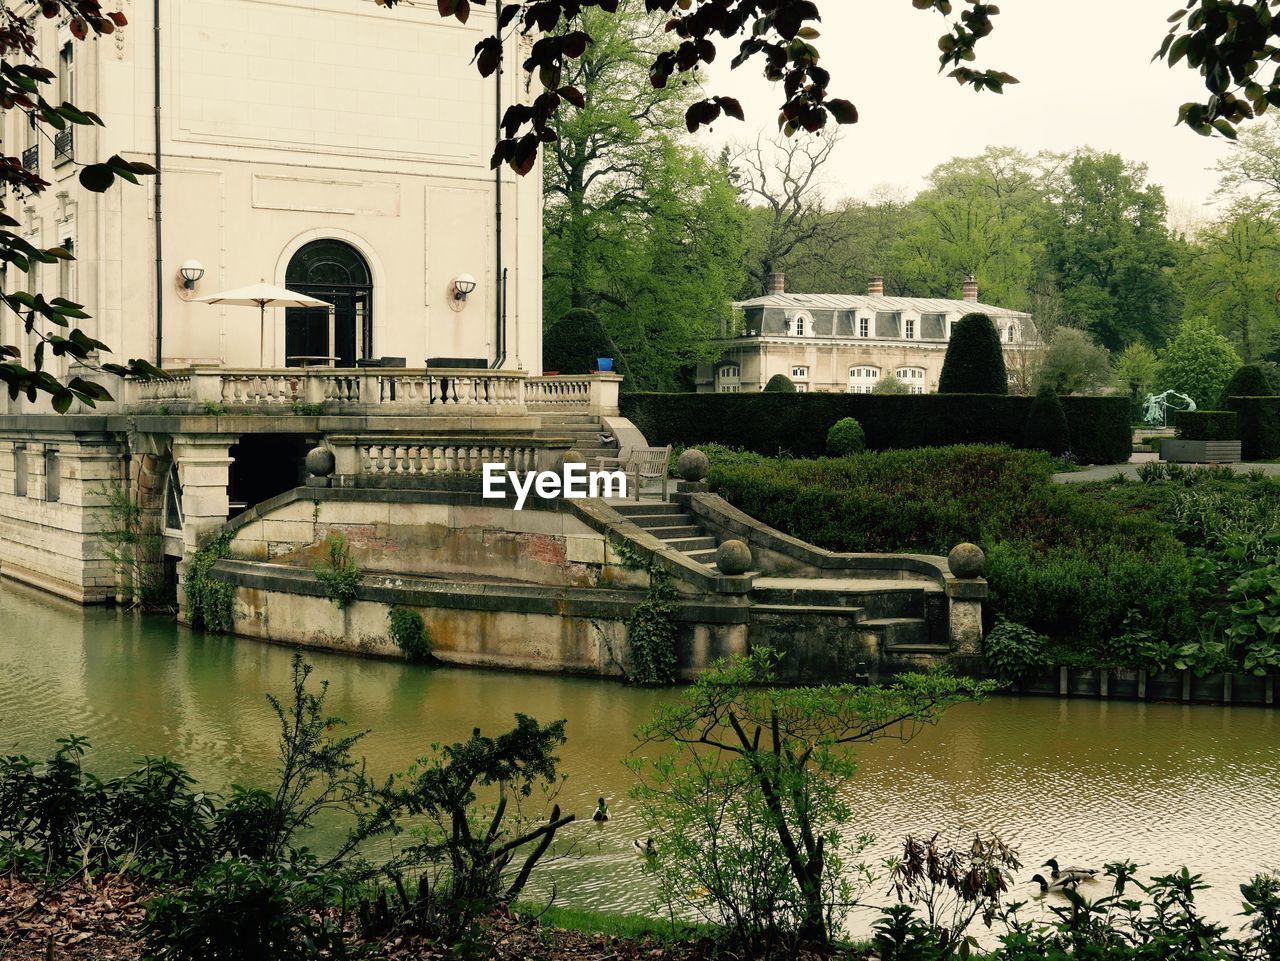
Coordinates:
[573,343]
[780,384]
[1047,428]
[1249,381]
[975,361]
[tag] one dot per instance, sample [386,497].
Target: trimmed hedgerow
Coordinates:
[1259,425]
[975,360]
[1206,424]
[1058,562]
[1047,428]
[797,424]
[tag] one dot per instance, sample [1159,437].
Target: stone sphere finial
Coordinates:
[693,465]
[320,462]
[967,561]
[733,557]
[568,457]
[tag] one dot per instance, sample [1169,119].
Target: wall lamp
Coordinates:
[463,284]
[191,271]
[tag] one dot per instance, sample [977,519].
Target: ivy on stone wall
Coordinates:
[210,603]
[338,572]
[651,628]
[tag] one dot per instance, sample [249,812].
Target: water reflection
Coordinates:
[1085,781]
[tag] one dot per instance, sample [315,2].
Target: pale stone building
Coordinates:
[838,343]
[327,145]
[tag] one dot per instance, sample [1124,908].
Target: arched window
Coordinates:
[913,377]
[333,271]
[728,379]
[800,324]
[862,380]
[1012,333]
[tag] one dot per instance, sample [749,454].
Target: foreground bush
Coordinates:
[845,437]
[743,795]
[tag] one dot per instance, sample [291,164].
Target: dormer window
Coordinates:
[909,331]
[864,326]
[800,324]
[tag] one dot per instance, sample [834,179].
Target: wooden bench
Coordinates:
[640,464]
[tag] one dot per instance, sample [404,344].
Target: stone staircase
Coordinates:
[906,618]
[585,429]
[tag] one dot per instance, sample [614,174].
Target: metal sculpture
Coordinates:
[1155,409]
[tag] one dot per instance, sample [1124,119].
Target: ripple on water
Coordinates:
[1163,785]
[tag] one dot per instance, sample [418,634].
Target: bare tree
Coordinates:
[781,179]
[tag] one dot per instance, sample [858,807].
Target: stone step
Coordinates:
[653,521]
[688,544]
[791,610]
[563,417]
[889,601]
[707,557]
[675,533]
[904,635]
[630,511]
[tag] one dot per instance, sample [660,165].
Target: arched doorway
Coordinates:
[334,271]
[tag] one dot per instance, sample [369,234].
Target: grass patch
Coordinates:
[634,927]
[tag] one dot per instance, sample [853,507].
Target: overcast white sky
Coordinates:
[1087,80]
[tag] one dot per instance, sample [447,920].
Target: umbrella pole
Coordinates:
[262,323]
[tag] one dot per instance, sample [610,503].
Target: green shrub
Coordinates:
[1013,651]
[338,572]
[780,384]
[1259,424]
[409,633]
[210,603]
[846,436]
[1059,561]
[1249,381]
[573,343]
[238,910]
[1206,424]
[974,363]
[1047,428]
[798,424]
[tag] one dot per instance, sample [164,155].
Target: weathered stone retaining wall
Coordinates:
[52,509]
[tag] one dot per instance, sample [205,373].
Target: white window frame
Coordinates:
[913,377]
[800,372]
[800,324]
[729,378]
[864,327]
[909,328]
[863,378]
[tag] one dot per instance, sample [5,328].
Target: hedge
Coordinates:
[1206,424]
[798,423]
[1259,423]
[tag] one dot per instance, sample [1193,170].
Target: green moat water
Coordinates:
[1086,781]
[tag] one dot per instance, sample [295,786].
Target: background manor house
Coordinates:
[841,343]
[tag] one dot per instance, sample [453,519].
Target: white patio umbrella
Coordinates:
[262,295]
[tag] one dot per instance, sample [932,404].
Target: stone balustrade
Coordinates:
[373,390]
[399,456]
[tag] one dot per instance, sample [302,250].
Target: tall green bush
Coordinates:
[780,384]
[574,342]
[1249,381]
[846,436]
[1259,423]
[1198,362]
[1047,428]
[975,360]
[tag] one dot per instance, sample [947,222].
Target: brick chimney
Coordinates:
[971,288]
[776,284]
[875,287]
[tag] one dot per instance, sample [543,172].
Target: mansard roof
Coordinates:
[920,305]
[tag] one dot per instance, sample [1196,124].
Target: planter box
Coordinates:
[1207,689]
[1164,687]
[1200,451]
[1084,682]
[1122,682]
